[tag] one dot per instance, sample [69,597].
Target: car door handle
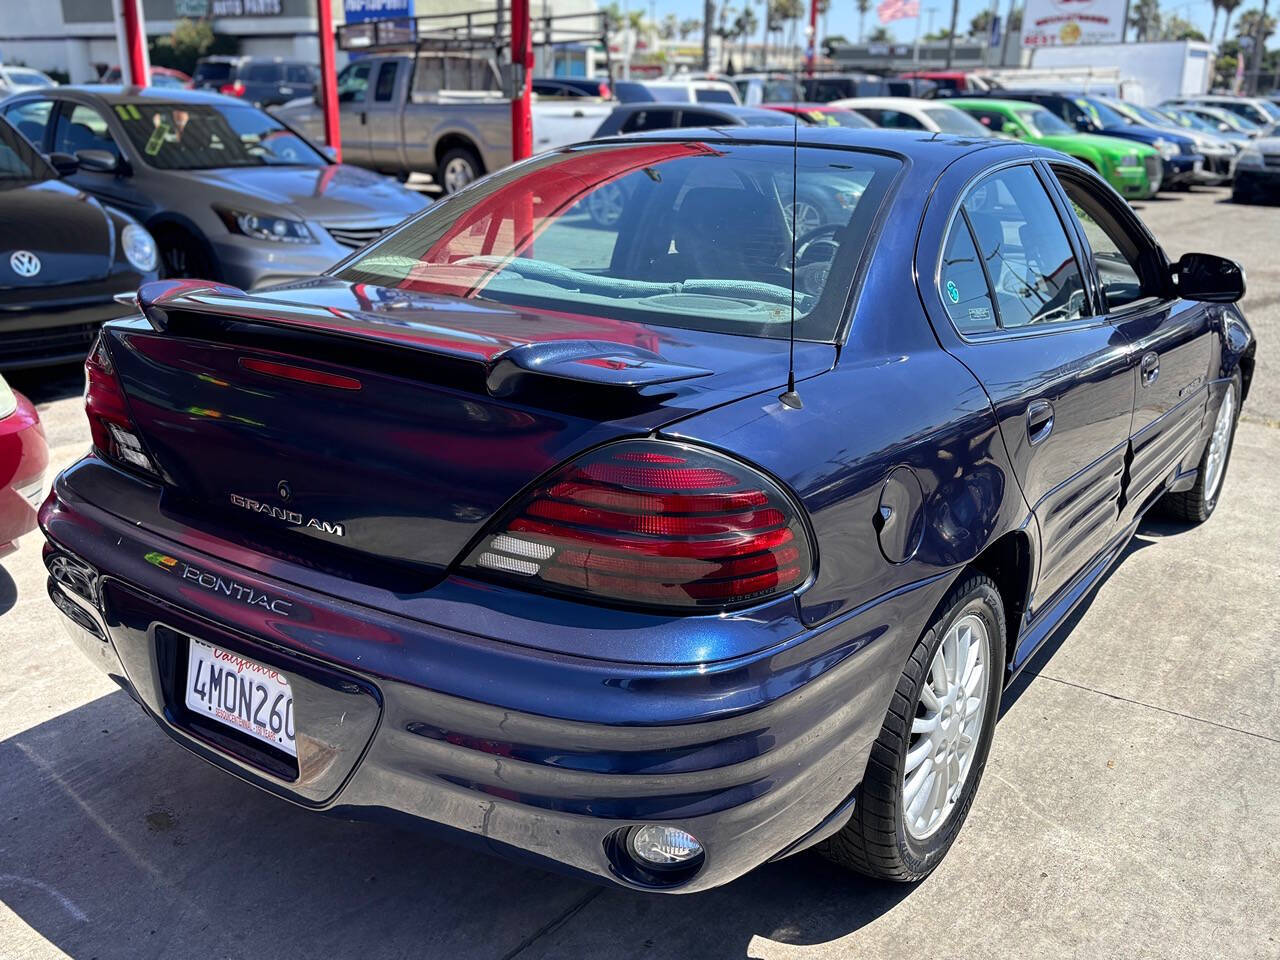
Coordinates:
[364,118]
[1039,421]
[1150,368]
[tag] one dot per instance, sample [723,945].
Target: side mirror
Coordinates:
[1208,278]
[1015,131]
[64,164]
[98,161]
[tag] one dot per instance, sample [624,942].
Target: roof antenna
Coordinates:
[790,398]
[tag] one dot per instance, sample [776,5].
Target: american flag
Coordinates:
[890,10]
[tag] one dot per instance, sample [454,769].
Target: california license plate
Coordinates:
[240,693]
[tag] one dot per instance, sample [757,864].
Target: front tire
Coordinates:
[1197,504]
[926,764]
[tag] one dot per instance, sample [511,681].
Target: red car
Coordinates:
[23,458]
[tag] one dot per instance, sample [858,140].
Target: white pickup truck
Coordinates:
[437,113]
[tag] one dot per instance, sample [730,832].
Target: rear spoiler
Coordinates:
[597,362]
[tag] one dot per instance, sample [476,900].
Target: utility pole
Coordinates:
[1008,29]
[708,15]
[951,40]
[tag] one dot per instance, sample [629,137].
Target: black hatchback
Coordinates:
[262,81]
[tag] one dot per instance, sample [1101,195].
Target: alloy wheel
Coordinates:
[1219,443]
[947,727]
[458,172]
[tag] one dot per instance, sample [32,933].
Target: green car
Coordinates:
[1134,169]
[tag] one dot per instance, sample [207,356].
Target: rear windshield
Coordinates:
[216,71]
[682,234]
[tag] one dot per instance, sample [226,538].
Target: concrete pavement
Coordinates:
[1131,806]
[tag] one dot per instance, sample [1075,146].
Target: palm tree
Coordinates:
[744,24]
[669,27]
[864,7]
[1144,17]
[1228,7]
[1213,24]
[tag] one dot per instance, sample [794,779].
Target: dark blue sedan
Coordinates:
[552,534]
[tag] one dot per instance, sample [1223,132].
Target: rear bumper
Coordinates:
[522,751]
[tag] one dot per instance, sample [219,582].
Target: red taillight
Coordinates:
[287,371]
[655,524]
[232,89]
[114,434]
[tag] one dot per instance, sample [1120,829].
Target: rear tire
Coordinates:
[1197,504]
[888,836]
[459,167]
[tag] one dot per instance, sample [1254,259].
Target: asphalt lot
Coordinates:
[1131,806]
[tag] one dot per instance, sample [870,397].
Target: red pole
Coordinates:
[812,52]
[328,78]
[135,43]
[522,64]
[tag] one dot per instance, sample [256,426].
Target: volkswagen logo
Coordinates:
[24,263]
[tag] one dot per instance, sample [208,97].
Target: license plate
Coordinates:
[241,694]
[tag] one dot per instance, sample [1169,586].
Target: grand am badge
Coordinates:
[291,517]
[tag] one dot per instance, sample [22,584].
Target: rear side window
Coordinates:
[31,119]
[896,120]
[650,120]
[217,72]
[386,87]
[262,73]
[990,119]
[83,129]
[297,73]
[702,118]
[1024,246]
[963,284]
[675,234]
[712,95]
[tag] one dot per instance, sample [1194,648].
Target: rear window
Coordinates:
[951,120]
[261,73]
[685,235]
[213,72]
[713,95]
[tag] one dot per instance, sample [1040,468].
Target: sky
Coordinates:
[843,17]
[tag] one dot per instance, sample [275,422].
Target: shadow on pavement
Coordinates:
[8,591]
[118,844]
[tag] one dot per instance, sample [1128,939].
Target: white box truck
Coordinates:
[1178,68]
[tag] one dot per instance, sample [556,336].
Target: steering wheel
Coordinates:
[817,239]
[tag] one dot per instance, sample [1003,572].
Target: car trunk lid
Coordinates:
[375,432]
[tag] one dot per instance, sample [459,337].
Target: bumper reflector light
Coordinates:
[654,845]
